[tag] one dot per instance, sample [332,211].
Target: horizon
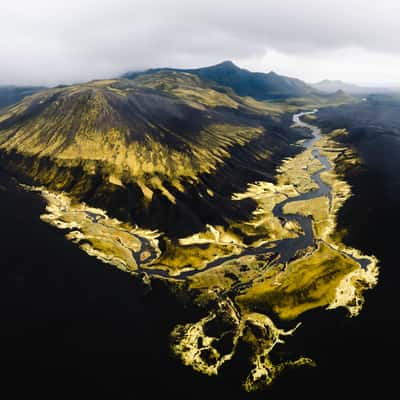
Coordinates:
[51,43]
[393,86]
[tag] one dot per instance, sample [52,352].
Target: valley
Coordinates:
[199,199]
[284,260]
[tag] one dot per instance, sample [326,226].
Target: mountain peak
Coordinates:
[226,64]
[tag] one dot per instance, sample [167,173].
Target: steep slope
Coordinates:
[261,86]
[164,150]
[12,94]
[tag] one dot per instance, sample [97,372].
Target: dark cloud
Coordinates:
[53,41]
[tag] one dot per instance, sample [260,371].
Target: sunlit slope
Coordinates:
[154,149]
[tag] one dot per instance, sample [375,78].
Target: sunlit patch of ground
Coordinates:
[234,272]
[203,352]
[264,225]
[318,209]
[297,172]
[306,283]
[108,239]
[177,258]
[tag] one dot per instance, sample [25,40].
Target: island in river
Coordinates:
[251,276]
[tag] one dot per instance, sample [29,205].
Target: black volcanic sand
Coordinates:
[72,326]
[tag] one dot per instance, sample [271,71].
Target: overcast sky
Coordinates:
[64,41]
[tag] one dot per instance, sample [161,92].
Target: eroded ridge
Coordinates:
[288,258]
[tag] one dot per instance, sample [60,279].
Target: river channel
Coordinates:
[287,249]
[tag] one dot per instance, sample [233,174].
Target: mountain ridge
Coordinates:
[259,85]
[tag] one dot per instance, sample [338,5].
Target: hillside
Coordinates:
[261,86]
[165,147]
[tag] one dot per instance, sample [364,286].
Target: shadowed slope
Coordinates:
[154,150]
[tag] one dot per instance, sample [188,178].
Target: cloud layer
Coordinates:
[55,41]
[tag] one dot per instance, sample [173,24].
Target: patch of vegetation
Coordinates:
[305,284]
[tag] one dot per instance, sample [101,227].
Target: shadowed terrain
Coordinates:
[160,148]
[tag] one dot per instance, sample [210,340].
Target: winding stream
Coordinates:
[286,248]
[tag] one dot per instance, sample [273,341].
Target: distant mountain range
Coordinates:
[259,85]
[332,86]
[12,94]
[226,75]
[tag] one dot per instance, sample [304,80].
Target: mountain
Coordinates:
[259,85]
[332,86]
[165,150]
[12,94]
